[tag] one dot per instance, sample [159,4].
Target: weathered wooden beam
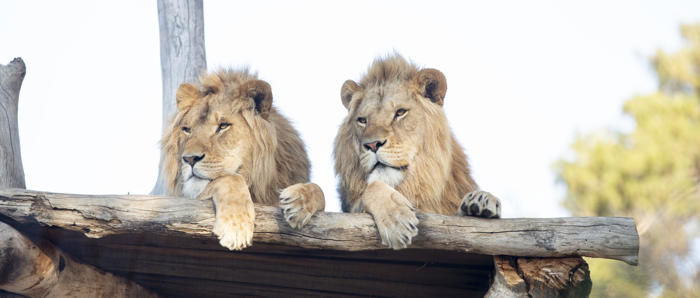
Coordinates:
[533,277]
[182,53]
[98,216]
[45,271]
[11,170]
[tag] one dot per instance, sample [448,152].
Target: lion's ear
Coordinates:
[261,93]
[349,88]
[185,96]
[431,82]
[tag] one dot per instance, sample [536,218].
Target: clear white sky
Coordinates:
[524,77]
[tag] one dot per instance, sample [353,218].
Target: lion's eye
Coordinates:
[223,126]
[362,120]
[400,112]
[186,129]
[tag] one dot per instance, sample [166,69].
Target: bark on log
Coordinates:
[11,170]
[533,277]
[98,216]
[182,53]
[45,271]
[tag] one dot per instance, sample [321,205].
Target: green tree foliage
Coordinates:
[651,174]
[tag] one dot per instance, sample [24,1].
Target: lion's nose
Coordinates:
[192,159]
[374,146]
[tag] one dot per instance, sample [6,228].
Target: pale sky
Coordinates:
[524,78]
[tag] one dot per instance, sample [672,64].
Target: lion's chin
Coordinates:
[193,186]
[389,175]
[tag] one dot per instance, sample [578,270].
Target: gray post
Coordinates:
[182,53]
[11,170]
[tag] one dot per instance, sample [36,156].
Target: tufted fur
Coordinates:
[396,155]
[437,173]
[274,155]
[245,150]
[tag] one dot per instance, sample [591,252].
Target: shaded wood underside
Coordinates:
[180,266]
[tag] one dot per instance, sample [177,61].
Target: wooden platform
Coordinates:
[166,244]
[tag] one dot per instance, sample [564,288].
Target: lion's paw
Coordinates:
[396,221]
[300,202]
[235,229]
[480,203]
[235,212]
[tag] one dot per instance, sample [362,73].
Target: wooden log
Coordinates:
[533,277]
[45,271]
[11,170]
[182,53]
[98,216]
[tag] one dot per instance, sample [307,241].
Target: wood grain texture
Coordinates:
[535,277]
[179,266]
[11,169]
[98,216]
[182,53]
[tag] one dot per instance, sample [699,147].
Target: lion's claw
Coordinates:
[300,202]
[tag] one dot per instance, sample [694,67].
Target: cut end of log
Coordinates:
[537,277]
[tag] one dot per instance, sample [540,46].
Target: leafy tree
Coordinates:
[651,174]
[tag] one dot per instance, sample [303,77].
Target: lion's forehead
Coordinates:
[203,119]
[208,112]
[385,100]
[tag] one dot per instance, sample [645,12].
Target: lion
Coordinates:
[227,142]
[396,155]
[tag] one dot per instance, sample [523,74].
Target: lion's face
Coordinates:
[213,132]
[213,143]
[386,130]
[390,124]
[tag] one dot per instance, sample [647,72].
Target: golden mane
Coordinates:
[438,176]
[389,69]
[278,159]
